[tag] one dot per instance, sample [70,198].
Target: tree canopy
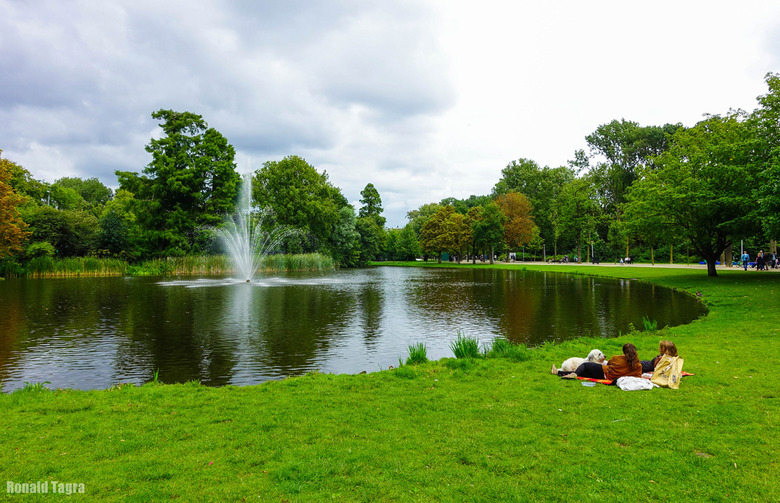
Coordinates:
[301,198]
[190,184]
[702,186]
[13,230]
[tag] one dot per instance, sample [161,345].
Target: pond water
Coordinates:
[92,333]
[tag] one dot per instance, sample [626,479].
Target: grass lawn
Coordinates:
[451,430]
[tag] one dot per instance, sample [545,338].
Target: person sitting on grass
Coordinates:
[626,364]
[664,348]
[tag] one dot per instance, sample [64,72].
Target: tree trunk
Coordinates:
[491,255]
[671,254]
[652,256]
[711,271]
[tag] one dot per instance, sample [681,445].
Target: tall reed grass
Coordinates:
[45,267]
[418,353]
[302,262]
[465,347]
[188,265]
[49,267]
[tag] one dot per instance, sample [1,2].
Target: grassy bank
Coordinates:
[452,430]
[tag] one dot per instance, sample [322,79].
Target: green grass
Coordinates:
[474,429]
[418,353]
[465,347]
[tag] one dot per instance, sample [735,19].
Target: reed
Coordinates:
[650,326]
[465,347]
[418,353]
[48,267]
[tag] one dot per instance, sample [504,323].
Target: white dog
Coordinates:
[595,356]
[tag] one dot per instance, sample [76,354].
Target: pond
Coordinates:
[92,333]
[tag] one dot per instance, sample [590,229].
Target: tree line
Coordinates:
[638,191]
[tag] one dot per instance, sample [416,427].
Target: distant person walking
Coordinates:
[745,259]
[760,261]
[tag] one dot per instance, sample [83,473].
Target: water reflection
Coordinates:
[94,332]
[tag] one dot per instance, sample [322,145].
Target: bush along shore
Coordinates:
[48,267]
[477,428]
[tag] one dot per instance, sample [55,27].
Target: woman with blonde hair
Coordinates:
[626,364]
[664,348]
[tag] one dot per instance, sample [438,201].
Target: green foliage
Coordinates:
[402,244]
[372,239]
[488,229]
[418,353]
[465,347]
[91,191]
[345,241]
[542,186]
[39,249]
[650,326]
[764,124]
[71,232]
[702,188]
[372,205]
[302,198]
[190,184]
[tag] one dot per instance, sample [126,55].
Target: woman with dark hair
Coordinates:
[626,364]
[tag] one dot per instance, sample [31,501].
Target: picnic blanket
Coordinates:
[610,381]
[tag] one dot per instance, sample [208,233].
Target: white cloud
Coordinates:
[423,99]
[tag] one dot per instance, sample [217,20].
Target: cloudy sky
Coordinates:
[425,99]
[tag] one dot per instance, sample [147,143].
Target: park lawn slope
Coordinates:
[451,430]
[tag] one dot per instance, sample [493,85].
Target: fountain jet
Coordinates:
[245,239]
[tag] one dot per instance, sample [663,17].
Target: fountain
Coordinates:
[246,240]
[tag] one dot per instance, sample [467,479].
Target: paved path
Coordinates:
[612,264]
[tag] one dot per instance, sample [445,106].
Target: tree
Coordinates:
[456,234]
[433,233]
[702,187]
[120,233]
[518,223]
[91,190]
[71,233]
[408,248]
[488,230]
[765,123]
[542,187]
[418,217]
[190,184]
[372,239]
[300,197]
[578,209]
[346,239]
[372,205]
[13,230]
[627,147]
